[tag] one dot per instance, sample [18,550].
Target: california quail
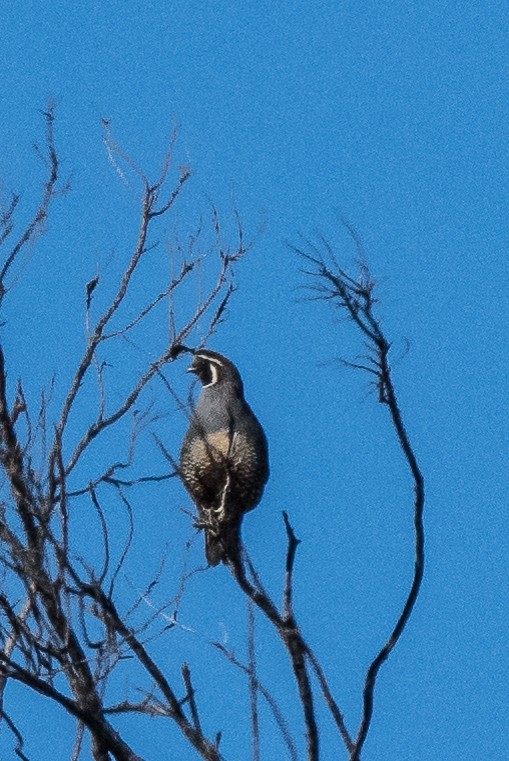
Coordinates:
[224,456]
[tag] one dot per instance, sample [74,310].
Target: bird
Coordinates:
[224,461]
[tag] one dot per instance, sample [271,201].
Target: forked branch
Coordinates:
[287,628]
[355,296]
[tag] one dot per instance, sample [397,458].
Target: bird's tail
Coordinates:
[222,545]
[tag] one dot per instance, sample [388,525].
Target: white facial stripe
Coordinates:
[212,360]
[214,371]
[213,364]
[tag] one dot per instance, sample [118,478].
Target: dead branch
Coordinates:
[275,709]
[355,296]
[190,696]
[289,632]
[253,691]
[17,735]
[35,226]
[205,748]
[293,543]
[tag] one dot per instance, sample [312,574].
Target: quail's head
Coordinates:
[212,369]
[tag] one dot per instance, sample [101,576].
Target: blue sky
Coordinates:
[394,115]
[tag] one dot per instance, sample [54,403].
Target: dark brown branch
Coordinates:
[253,681]
[104,530]
[49,192]
[187,268]
[293,543]
[374,668]
[17,734]
[329,699]
[17,623]
[127,545]
[205,748]
[189,697]
[12,462]
[99,727]
[355,296]
[291,637]
[185,174]
[7,218]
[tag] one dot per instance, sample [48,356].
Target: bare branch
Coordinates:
[101,728]
[35,226]
[253,681]
[329,699]
[128,543]
[293,543]
[187,268]
[189,697]
[80,732]
[291,637]
[356,297]
[12,462]
[275,709]
[104,529]
[17,734]
[11,640]
[206,749]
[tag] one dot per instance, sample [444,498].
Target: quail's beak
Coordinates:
[193,368]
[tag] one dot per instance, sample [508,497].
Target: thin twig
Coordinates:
[293,543]
[190,696]
[49,192]
[17,734]
[275,709]
[374,668]
[253,691]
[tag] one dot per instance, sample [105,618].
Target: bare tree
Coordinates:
[52,598]
[65,631]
